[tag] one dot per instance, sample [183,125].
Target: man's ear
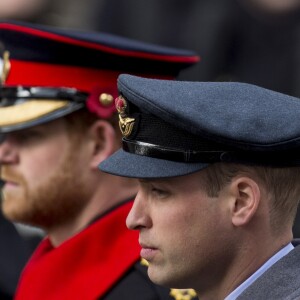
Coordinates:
[104,141]
[247,196]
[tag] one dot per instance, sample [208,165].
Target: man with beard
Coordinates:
[219,185]
[58,122]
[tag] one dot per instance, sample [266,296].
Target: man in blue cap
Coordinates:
[58,122]
[219,184]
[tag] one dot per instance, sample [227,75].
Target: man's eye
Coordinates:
[159,192]
[27,136]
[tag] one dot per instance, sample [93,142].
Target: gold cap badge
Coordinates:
[125,123]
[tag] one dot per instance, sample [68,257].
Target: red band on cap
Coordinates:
[84,79]
[42,74]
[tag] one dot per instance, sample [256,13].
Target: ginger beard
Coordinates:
[57,199]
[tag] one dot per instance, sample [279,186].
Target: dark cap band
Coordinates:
[9,94]
[190,156]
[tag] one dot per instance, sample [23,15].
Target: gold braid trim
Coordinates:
[28,111]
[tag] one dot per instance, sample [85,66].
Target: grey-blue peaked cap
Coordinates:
[182,127]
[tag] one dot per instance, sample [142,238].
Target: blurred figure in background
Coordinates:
[58,118]
[271,7]
[14,253]
[62,13]
[22,9]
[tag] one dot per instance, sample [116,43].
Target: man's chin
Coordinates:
[12,211]
[13,216]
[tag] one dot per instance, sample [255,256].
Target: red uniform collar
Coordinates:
[85,266]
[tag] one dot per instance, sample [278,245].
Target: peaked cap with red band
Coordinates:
[49,72]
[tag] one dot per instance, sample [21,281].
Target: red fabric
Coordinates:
[28,73]
[85,266]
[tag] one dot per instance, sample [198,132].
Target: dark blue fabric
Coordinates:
[235,113]
[126,164]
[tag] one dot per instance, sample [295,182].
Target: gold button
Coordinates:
[106,99]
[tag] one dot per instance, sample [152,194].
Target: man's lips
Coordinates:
[148,252]
[9,183]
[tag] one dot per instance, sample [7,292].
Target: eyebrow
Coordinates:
[143,180]
[146,180]
[158,181]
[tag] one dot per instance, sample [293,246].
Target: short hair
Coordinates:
[281,184]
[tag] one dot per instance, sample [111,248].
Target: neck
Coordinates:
[109,192]
[245,262]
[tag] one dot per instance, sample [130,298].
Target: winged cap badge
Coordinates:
[126,124]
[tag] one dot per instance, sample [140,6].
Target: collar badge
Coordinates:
[183,294]
[126,124]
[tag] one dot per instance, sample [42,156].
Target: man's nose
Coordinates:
[8,150]
[138,216]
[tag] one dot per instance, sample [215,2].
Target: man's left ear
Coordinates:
[247,196]
[103,137]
